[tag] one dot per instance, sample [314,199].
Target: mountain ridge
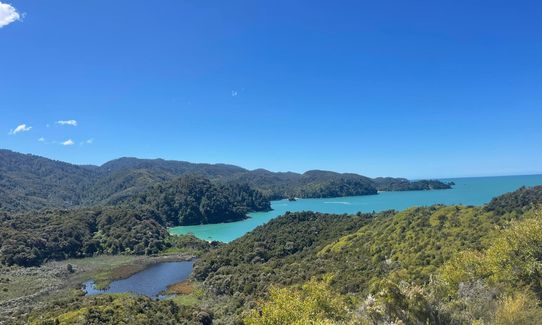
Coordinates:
[29,182]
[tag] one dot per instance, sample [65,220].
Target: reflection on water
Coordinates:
[149,282]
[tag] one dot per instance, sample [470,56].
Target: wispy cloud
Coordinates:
[67,122]
[234,93]
[8,14]
[88,141]
[19,129]
[42,139]
[68,142]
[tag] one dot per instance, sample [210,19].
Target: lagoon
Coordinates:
[150,282]
[466,191]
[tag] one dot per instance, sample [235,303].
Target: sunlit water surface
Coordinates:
[467,191]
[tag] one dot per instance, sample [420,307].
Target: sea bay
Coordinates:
[466,191]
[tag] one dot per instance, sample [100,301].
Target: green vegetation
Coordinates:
[322,184]
[33,238]
[186,300]
[194,200]
[312,303]
[412,243]
[436,265]
[30,182]
[524,199]
[185,293]
[136,224]
[276,253]
[424,265]
[402,184]
[188,244]
[120,309]
[439,265]
[24,290]
[310,184]
[136,227]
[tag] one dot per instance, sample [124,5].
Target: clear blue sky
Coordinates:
[399,88]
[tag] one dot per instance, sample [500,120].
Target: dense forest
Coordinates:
[194,200]
[137,226]
[121,309]
[520,201]
[438,265]
[30,239]
[403,184]
[415,241]
[29,182]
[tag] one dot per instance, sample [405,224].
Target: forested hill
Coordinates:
[194,200]
[136,226]
[172,167]
[311,184]
[403,184]
[427,265]
[30,182]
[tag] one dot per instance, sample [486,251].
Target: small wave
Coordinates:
[346,203]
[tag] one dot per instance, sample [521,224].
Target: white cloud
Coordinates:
[20,128]
[234,93]
[42,139]
[68,142]
[67,122]
[8,14]
[88,141]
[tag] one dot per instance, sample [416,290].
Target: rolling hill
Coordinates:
[29,182]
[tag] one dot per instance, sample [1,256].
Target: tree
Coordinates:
[519,308]
[516,256]
[312,303]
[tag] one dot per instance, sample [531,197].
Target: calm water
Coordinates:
[467,191]
[149,282]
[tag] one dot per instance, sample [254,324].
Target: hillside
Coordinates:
[436,265]
[194,200]
[394,257]
[138,226]
[171,167]
[403,184]
[30,182]
[311,184]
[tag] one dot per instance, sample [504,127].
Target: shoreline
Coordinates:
[30,288]
[127,270]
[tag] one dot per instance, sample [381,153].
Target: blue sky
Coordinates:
[398,88]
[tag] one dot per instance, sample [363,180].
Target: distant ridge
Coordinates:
[30,182]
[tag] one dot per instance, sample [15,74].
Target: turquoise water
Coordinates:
[467,191]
